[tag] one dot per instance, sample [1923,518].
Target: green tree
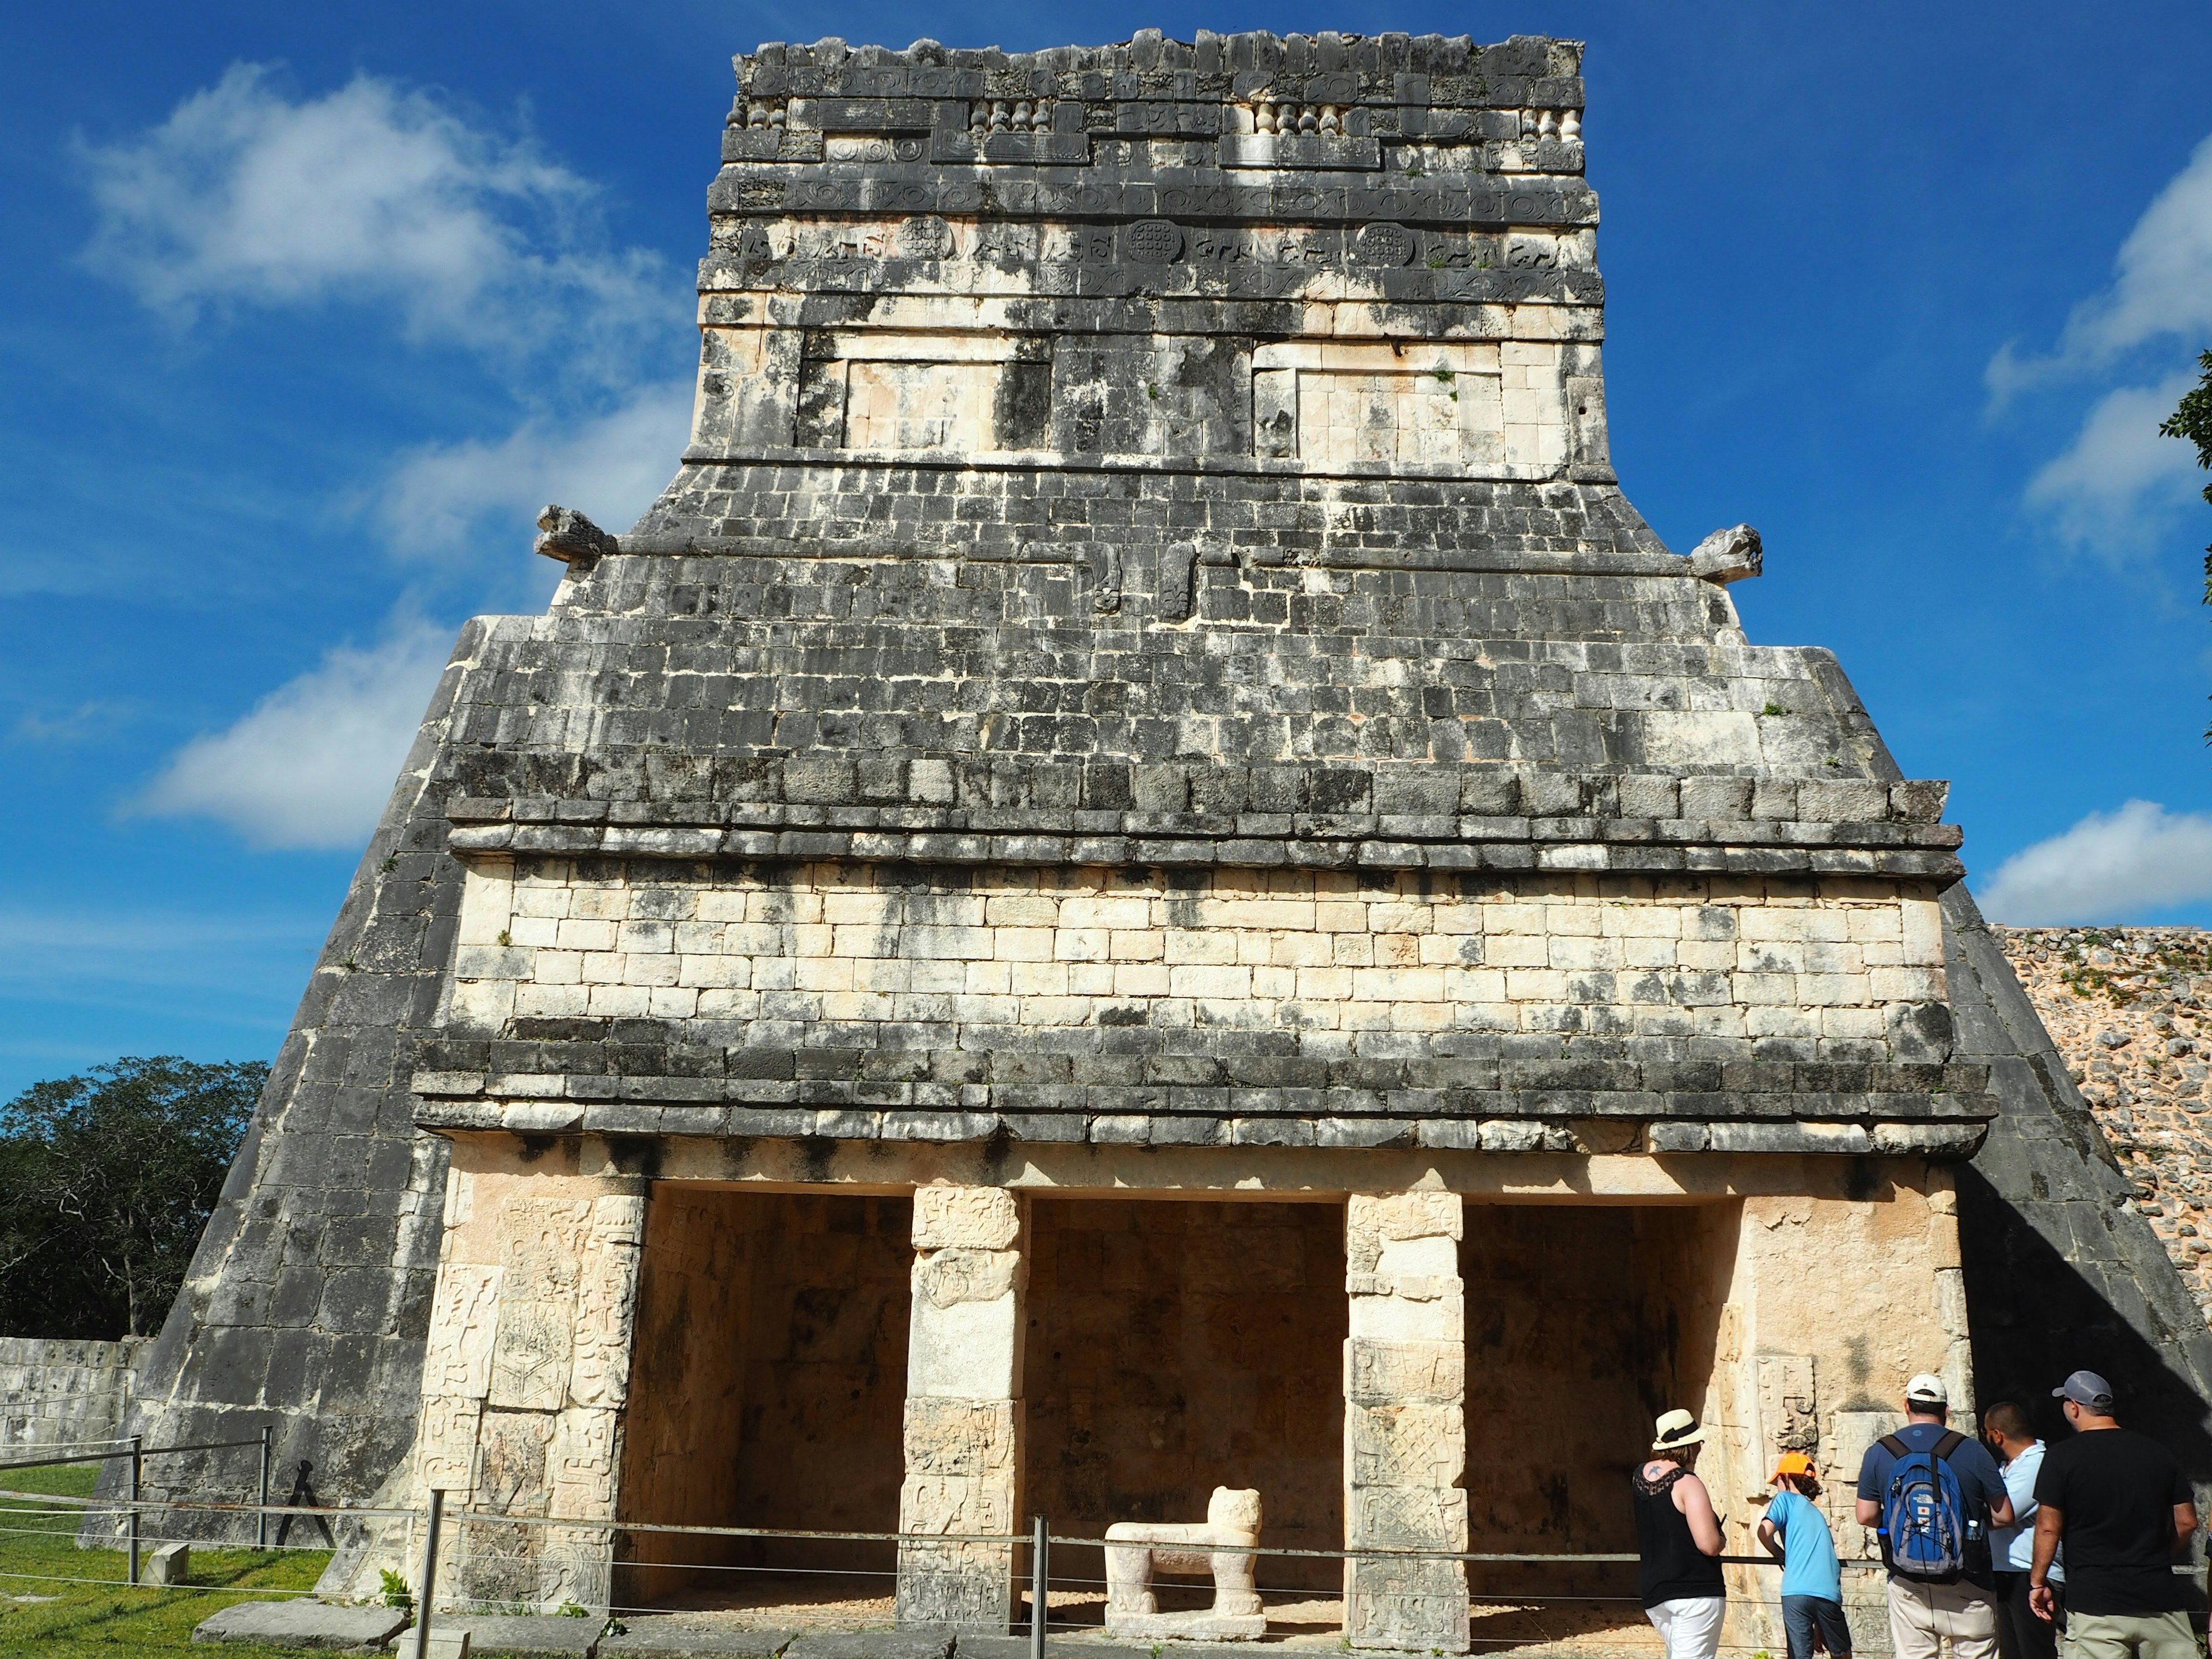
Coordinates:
[2192,421]
[108,1179]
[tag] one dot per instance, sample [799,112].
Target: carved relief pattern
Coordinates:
[464,1313]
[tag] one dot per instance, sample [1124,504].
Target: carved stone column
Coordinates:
[1405,1421]
[963,1408]
[525,1382]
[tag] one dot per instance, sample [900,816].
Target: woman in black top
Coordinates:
[1679,1538]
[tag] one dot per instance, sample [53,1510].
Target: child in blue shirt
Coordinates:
[1797,1535]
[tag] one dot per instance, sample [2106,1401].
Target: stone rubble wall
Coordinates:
[54,1391]
[2131,1010]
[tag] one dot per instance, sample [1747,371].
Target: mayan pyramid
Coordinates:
[1144,688]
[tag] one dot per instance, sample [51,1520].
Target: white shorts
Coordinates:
[1691,1628]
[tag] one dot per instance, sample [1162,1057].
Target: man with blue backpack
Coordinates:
[1933,1494]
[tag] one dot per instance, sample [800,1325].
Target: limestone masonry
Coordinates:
[2127,1008]
[1142,878]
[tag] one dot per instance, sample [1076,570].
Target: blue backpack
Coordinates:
[1924,1513]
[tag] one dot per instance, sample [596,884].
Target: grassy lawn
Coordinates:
[107,1619]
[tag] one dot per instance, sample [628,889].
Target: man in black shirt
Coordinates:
[2123,1507]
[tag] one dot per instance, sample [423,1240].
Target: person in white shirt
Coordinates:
[2021,1634]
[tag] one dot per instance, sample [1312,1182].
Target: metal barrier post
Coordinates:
[1040,1598]
[261,1519]
[134,1469]
[428,1584]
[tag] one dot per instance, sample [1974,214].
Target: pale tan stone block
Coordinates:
[1781,1021]
[1905,984]
[1149,946]
[585,935]
[1232,981]
[1450,949]
[551,1002]
[599,903]
[1536,985]
[1851,1024]
[1396,949]
[1140,980]
[618,1001]
[1831,990]
[1517,951]
[646,938]
[1109,914]
[1923,929]
[1039,978]
[652,971]
[1340,916]
[1082,944]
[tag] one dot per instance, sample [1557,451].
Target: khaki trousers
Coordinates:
[2130,1635]
[1924,1617]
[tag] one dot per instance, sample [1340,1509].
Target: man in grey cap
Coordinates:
[2122,1508]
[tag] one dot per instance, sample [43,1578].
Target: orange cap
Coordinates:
[1794,1463]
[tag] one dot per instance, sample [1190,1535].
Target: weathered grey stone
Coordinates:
[171,1564]
[566,535]
[910,1643]
[301,1623]
[540,1634]
[674,1636]
[1732,555]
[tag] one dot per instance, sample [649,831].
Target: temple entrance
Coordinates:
[767,1388]
[1584,1323]
[1175,1346]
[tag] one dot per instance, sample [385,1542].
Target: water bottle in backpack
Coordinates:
[1925,1530]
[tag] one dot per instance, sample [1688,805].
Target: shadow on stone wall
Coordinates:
[2060,1274]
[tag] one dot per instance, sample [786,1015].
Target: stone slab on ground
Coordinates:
[521,1633]
[674,1638]
[872,1644]
[1056,1647]
[302,1624]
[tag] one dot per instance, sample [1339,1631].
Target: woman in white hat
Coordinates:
[1679,1538]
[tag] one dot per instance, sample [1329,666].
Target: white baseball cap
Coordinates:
[1927,1389]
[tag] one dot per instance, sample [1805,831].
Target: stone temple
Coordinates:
[1140,879]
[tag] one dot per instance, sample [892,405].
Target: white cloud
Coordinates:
[2110,867]
[2162,285]
[370,193]
[312,763]
[2115,484]
[608,467]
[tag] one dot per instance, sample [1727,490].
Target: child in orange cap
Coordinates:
[1796,1533]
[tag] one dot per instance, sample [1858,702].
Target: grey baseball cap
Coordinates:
[2086,1389]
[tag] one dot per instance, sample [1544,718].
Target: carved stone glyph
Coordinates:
[965,1217]
[464,1313]
[1219,1547]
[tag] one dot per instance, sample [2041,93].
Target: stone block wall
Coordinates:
[2130,1011]
[1842,962]
[56,1390]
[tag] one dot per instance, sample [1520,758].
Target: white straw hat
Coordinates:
[1677,1428]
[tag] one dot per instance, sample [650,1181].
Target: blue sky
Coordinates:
[306,309]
